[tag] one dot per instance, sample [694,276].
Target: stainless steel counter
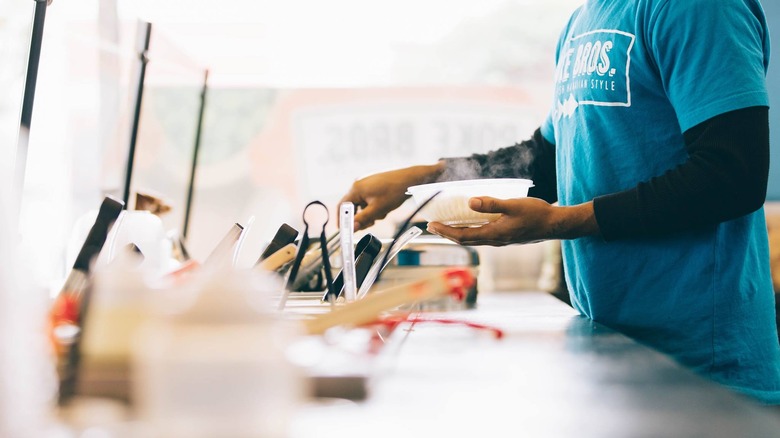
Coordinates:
[554,374]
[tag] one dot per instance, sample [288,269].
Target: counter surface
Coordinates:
[554,373]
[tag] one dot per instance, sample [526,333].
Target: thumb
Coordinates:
[486,204]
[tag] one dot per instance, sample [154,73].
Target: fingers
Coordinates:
[363,225]
[367,216]
[486,204]
[484,235]
[354,197]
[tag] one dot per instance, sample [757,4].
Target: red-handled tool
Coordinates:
[450,282]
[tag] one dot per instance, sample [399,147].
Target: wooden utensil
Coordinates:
[446,282]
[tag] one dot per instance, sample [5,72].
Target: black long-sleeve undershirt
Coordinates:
[725,177]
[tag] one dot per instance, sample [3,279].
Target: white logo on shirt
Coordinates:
[593,69]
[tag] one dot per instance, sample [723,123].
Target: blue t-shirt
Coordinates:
[632,76]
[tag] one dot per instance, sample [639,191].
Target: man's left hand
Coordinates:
[523,220]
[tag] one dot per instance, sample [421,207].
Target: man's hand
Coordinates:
[522,220]
[377,195]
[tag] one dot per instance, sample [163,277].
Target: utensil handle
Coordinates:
[278,259]
[364,311]
[347,225]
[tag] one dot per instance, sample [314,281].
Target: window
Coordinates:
[304,97]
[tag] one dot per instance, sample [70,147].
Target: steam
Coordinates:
[460,169]
[510,162]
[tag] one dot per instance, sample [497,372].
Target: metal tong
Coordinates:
[303,246]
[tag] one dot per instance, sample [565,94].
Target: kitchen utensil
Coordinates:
[380,263]
[278,259]
[284,236]
[449,281]
[310,275]
[73,300]
[303,245]
[366,252]
[224,249]
[347,228]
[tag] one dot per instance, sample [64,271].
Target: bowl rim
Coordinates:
[471,182]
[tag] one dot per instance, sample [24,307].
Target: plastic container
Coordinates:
[211,361]
[147,233]
[451,207]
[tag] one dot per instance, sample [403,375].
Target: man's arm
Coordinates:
[724,178]
[377,195]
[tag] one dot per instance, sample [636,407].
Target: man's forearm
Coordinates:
[724,178]
[576,221]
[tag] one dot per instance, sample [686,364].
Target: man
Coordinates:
[656,150]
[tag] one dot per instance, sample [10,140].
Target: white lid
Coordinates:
[471,183]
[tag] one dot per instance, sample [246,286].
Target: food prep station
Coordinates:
[333,333]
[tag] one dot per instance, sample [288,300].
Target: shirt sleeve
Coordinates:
[712,56]
[547,130]
[724,178]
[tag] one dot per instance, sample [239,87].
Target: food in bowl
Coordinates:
[451,206]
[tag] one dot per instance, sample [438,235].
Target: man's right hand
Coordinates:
[377,195]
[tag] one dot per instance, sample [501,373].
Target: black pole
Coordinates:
[145,34]
[33,62]
[198,131]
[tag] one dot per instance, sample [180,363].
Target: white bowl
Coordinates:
[451,206]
